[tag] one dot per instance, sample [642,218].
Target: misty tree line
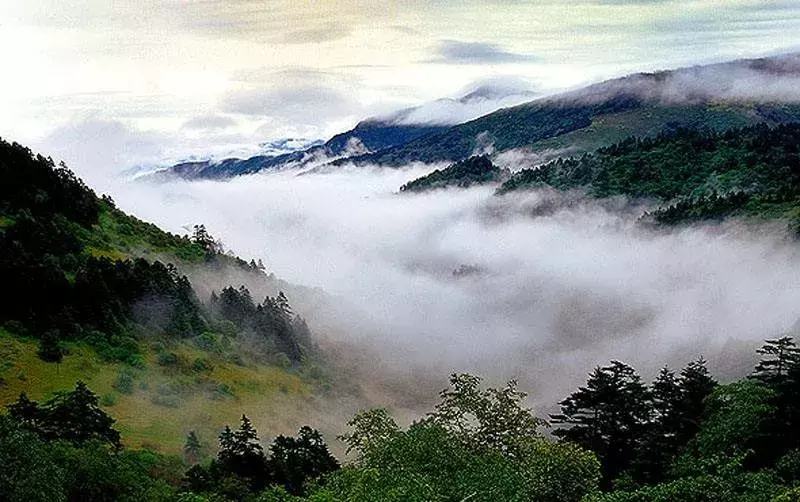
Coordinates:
[683,438]
[697,174]
[64,282]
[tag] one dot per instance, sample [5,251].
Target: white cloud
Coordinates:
[556,295]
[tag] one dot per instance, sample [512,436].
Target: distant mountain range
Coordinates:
[714,97]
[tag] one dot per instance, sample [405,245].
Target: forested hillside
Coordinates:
[753,171]
[574,126]
[94,294]
[477,170]
[69,259]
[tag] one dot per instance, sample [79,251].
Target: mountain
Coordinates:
[717,97]
[368,136]
[477,170]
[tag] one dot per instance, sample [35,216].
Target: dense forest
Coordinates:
[68,276]
[685,437]
[476,170]
[754,171]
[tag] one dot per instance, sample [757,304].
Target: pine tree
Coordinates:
[660,442]
[294,460]
[75,416]
[779,356]
[696,385]
[608,416]
[283,304]
[241,454]
[25,411]
[226,444]
[246,441]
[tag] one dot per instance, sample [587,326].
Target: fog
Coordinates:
[538,286]
[776,79]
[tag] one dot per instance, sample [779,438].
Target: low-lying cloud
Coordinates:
[761,80]
[480,98]
[539,286]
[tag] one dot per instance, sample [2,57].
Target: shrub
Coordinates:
[124,382]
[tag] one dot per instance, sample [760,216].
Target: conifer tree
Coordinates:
[778,358]
[608,416]
[25,411]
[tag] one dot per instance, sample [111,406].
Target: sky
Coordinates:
[130,83]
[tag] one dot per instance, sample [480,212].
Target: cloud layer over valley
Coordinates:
[461,280]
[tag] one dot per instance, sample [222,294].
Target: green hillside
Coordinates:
[94,294]
[557,125]
[472,171]
[753,171]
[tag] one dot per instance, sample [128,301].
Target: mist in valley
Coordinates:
[538,286]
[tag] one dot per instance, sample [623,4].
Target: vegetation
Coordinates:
[66,256]
[685,437]
[472,171]
[577,124]
[699,175]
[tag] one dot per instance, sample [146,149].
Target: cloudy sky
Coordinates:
[121,83]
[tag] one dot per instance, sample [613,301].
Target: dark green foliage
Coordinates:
[49,348]
[609,417]
[71,416]
[96,474]
[294,460]
[242,468]
[701,174]
[27,470]
[779,371]
[472,171]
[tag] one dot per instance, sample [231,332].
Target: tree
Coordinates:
[192,449]
[369,428]
[49,348]
[241,454]
[609,417]
[736,418]
[490,418]
[779,356]
[75,416]
[696,384]
[293,461]
[204,239]
[660,441]
[29,472]
[25,412]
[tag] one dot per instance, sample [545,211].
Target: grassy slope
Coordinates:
[201,401]
[643,122]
